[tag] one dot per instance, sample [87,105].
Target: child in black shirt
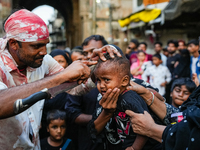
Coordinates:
[111,74]
[56,126]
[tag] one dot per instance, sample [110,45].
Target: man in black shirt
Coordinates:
[172,62]
[80,108]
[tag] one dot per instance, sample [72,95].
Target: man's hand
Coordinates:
[195,79]
[163,84]
[77,71]
[109,104]
[98,53]
[137,88]
[109,100]
[130,148]
[141,123]
[144,124]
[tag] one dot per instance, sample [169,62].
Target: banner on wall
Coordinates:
[150,2]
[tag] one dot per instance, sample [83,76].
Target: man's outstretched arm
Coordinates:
[77,71]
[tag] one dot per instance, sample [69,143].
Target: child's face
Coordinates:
[108,77]
[141,56]
[56,129]
[77,56]
[61,60]
[156,61]
[179,95]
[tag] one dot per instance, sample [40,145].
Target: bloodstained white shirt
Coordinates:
[14,131]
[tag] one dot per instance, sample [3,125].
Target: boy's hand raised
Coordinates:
[109,100]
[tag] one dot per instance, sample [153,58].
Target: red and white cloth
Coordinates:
[24,26]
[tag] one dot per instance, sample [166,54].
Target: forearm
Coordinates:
[83,119]
[156,132]
[102,120]
[82,88]
[158,106]
[10,95]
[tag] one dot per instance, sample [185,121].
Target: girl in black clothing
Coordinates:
[56,126]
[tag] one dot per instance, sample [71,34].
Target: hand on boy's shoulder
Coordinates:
[143,84]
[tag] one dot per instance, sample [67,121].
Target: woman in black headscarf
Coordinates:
[61,57]
[183,67]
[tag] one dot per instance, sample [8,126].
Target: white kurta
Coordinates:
[158,75]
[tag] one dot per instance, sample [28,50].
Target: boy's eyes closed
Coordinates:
[186,93]
[177,89]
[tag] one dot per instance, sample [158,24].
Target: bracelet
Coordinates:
[152,99]
[149,98]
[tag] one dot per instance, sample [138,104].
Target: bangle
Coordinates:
[152,99]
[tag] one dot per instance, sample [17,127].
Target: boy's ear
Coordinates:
[47,128]
[125,80]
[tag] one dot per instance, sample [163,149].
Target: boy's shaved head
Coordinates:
[120,65]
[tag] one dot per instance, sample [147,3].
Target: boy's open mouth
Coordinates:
[103,92]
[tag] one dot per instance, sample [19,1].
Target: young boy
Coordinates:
[111,74]
[56,126]
[181,90]
[159,74]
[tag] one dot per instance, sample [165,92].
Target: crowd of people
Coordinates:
[128,101]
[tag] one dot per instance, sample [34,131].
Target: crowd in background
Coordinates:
[177,60]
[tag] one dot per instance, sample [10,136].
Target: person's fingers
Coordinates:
[107,102]
[130,88]
[102,57]
[195,79]
[82,81]
[79,81]
[115,97]
[88,62]
[112,50]
[111,95]
[130,113]
[86,72]
[146,113]
[103,99]
[133,87]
